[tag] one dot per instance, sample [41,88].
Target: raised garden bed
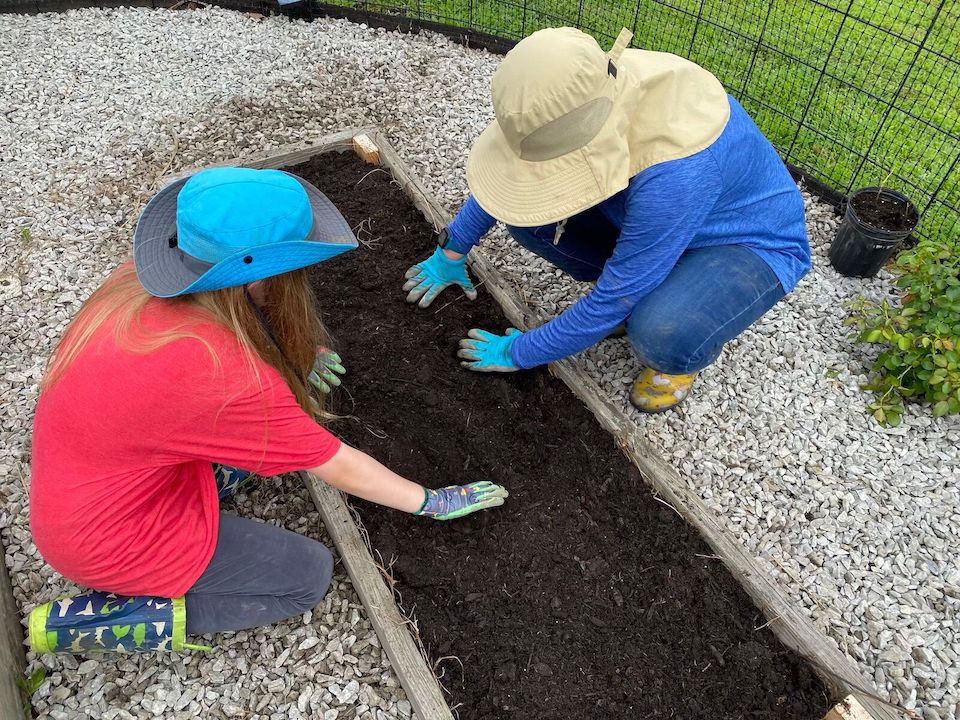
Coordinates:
[400,356]
[584,596]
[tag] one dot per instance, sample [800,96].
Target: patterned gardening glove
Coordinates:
[458,500]
[425,280]
[482,351]
[325,370]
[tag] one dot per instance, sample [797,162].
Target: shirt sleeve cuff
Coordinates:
[470,224]
[517,352]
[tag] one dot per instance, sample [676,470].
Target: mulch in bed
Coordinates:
[583,596]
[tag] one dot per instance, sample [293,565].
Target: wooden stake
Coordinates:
[848,709]
[366,149]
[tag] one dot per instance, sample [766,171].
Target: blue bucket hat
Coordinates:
[230,226]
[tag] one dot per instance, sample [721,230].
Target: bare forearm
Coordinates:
[360,475]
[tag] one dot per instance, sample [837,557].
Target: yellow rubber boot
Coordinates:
[654,392]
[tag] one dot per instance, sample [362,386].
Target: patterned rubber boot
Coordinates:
[655,392]
[229,479]
[104,622]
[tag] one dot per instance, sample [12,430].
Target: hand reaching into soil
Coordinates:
[482,351]
[458,500]
[426,279]
[326,370]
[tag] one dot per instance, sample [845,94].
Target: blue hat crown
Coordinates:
[223,211]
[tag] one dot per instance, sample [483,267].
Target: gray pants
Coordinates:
[259,574]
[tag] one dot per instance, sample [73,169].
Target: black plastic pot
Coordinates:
[860,249]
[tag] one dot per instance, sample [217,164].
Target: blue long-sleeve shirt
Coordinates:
[735,192]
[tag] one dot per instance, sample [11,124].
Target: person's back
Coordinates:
[759,203]
[123,444]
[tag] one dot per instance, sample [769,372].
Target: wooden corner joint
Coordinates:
[366,148]
[848,709]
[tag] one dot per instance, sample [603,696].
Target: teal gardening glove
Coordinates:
[458,500]
[426,279]
[326,370]
[482,351]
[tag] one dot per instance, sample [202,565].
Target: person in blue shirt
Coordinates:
[635,170]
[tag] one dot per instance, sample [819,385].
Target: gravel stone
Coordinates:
[860,524]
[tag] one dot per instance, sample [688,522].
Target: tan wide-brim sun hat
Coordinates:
[574,124]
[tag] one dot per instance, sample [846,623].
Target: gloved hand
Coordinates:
[426,279]
[325,370]
[487,352]
[458,500]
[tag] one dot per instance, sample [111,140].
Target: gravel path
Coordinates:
[860,524]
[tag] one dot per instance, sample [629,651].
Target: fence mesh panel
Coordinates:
[851,92]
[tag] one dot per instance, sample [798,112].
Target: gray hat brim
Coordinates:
[165,270]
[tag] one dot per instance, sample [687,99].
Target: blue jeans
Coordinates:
[711,296]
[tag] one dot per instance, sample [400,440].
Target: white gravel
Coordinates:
[860,524]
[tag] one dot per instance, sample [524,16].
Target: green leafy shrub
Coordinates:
[921,335]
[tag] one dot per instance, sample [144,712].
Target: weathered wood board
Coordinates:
[415,676]
[12,661]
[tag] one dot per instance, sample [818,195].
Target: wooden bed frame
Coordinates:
[791,626]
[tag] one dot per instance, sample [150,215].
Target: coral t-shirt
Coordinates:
[122,495]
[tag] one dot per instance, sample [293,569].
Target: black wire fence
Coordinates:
[853,93]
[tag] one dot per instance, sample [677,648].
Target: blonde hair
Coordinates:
[289,341]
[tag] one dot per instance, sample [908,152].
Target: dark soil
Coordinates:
[882,211]
[583,596]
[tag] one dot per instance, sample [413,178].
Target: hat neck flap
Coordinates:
[672,108]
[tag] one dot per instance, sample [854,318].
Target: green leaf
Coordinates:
[28,686]
[922,359]
[36,680]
